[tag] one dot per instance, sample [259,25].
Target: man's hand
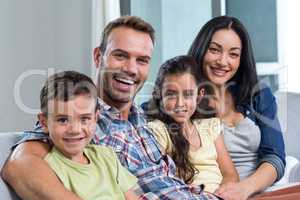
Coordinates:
[30,175]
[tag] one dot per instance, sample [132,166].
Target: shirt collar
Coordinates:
[136,114]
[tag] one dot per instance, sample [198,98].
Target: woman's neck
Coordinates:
[226,110]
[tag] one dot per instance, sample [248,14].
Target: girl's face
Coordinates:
[179,96]
[222,58]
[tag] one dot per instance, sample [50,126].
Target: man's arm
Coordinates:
[30,175]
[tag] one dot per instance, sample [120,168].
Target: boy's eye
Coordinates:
[85,120]
[62,120]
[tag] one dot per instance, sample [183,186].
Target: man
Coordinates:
[123,61]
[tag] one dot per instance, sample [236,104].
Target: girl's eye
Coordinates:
[170,95]
[188,94]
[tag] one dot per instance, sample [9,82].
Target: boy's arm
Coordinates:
[30,175]
[130,195]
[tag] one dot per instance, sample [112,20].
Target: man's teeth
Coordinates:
[126,81]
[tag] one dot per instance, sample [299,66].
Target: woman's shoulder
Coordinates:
[264,98]
[263,93]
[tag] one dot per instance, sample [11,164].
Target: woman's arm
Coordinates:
[263,177]
[226,165]
[31,177]
[271,151]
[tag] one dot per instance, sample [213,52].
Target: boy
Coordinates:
[69,115]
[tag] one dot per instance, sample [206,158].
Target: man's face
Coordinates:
[124,66]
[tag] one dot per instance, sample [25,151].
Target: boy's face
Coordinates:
[71,124]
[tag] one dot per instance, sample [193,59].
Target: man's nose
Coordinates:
[131,67]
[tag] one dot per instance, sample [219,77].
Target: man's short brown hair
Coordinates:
[133,22]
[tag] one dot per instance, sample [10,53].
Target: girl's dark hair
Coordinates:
[180,149]
[245,79]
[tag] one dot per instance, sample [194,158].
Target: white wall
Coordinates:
[176,23]
[292,53]
[37,35]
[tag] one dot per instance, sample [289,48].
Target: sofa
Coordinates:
[288,113]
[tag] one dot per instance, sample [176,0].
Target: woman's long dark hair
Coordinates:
[245,78]
[181,147]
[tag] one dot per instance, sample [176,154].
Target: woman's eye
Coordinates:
[234,55]
[213,50]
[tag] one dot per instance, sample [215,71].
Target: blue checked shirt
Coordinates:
[139,152]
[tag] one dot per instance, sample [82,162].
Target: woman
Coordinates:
[252,132]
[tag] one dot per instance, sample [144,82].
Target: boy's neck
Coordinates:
[80,158]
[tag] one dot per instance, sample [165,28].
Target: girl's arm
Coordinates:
[227,168]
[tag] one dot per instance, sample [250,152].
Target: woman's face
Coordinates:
[222,58]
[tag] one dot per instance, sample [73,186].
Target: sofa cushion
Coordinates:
[6,141]
[288,114]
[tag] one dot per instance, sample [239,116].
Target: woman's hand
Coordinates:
[233,191]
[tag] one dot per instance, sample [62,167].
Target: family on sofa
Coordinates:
[210,130]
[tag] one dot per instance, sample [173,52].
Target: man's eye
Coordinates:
[120,56]
[143,61]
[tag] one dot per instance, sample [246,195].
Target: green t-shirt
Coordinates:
[103,178]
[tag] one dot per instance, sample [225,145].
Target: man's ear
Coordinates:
[43,122]
[201,93]
[97,57]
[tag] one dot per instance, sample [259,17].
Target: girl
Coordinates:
[194,143]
